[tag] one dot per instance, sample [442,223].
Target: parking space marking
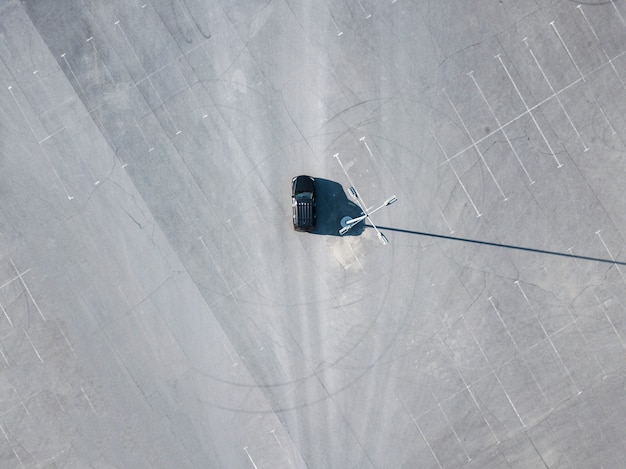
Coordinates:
[493,371]
[362,139]
[206,248]
[446,220]
[230,355]
[618,13]
[552,346]
[467,387]
[95,50]
[12,447]
[82,157]
[451,427]
[245,448]
[330,13]
[234,232]
[32,131]
[20,275]
[556,96]
[73,74]
[150,147]
[4,356]
[528,110]
[65,337]
[582,76]
[368,15]
[517,348]
[506,136]
[414,420]
[88,400]
[147,78]
[610,255]
[6,315]
[32,345]
[449,161]
[609,60]
[469,135]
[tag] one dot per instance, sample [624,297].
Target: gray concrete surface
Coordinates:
[157,309]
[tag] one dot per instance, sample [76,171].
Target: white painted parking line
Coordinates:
[493,371]
[27,289]
[581,75]
[610,61]
[96,181]
[13,279]
[443,412]
[367,15]
[65,337]
[219,271]
[12,447]
[506,136]
[88,400]
[556,96]
[517,348]
[480,153]
[362,139]
[100,61]
[339,31]
[469,390]
[150,147]
[528,110]
[552,346]
[32,345]
[73,74]
[618,13]
[245,448]
[147,77]
[406,409]
[230,355]
[446,220]
[619,336]
[610,255]
[6,315]
[478,214]
[70,197]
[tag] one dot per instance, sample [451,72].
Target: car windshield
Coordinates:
[304,195]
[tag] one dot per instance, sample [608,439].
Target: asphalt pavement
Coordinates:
[158,310]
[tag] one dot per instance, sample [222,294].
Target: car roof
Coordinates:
[304,184]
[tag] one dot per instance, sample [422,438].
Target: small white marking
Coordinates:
[32,345]
[245,448]
[65,337]
[6,315]
[447,224]
[4,357]
[520,289]
[230,356]
[610,255]
[88,400]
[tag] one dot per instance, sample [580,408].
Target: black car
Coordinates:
[303,203]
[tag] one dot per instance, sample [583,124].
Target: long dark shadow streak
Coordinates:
[499,245]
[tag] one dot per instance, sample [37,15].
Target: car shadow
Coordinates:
[332,206]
